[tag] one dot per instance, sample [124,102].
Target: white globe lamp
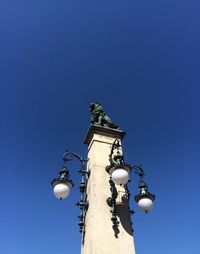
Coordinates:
[62,189]
[120,176]
[145,204]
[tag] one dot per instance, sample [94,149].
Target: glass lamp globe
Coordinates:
[120,176]
[62,190]
[145,204]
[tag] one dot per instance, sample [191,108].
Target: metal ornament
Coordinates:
[116,159]
[111,201]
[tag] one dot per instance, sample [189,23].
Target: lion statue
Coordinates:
[99,117]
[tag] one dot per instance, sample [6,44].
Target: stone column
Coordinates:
[99,236]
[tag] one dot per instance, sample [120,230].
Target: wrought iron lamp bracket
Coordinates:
[111,201]
[69,156]
[82,203]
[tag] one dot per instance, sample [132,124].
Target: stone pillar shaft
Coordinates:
[99,236]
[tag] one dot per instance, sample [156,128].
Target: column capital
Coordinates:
[101,130]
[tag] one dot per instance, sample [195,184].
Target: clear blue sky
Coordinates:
[140,59]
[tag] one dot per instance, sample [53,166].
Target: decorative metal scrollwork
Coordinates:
[82,203]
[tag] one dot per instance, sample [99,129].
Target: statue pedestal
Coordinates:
[100,237]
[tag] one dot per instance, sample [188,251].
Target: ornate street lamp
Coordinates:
[119,172]
[144,198]
[118,169]
[63,184]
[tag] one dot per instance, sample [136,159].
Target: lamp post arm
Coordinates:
[69,156]
[138,170]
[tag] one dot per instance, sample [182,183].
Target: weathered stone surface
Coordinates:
[100,238]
